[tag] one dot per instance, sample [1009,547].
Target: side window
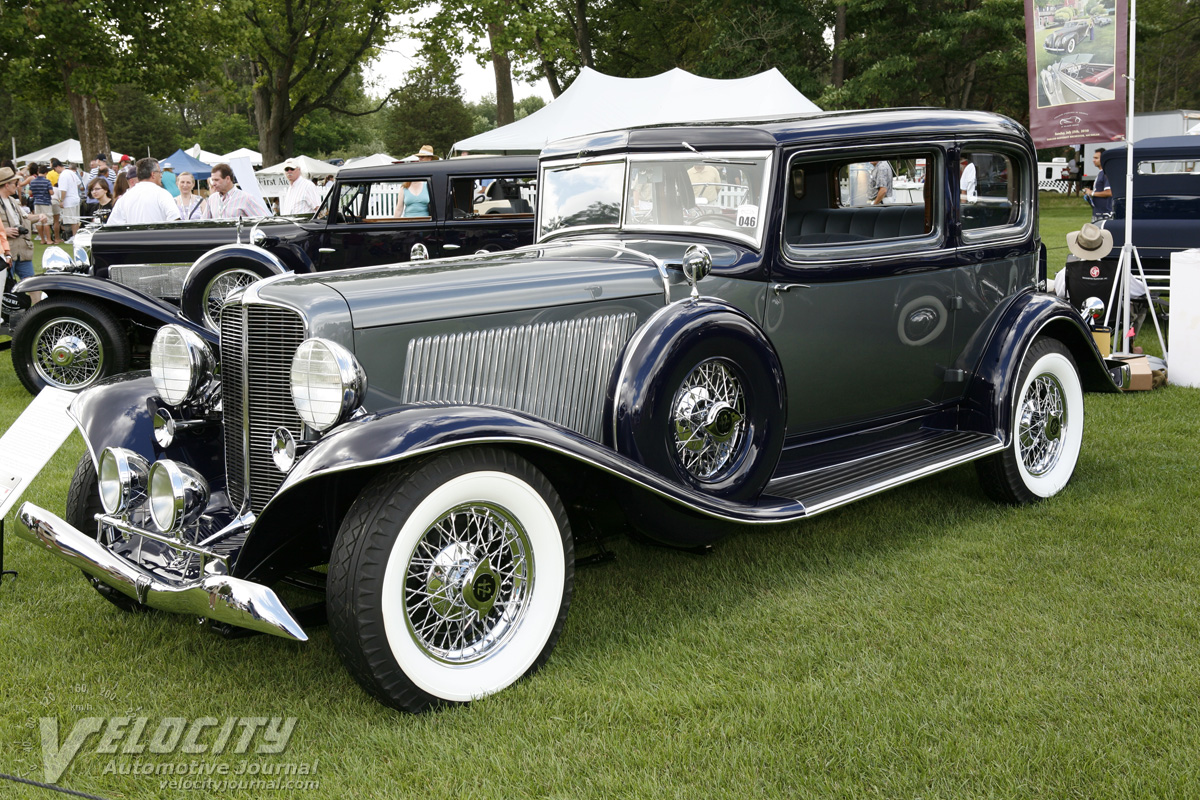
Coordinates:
[838,207]
[509,196]
[989,190]
[390,200]
[349,204]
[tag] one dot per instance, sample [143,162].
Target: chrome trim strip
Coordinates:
[171,541]
[217,597]
[900,480]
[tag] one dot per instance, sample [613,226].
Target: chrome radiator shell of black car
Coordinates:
[257,346]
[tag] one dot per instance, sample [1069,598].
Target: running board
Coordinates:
[829,487]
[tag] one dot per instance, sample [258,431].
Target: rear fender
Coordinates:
[988,406]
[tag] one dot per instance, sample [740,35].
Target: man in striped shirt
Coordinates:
[227,201]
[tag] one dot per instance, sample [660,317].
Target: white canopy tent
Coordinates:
[195,151]
[596,102]
[66,150]
[274,183]
[244,152]
[1194,130]
[375,160]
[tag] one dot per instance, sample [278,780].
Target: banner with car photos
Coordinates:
[1077,52]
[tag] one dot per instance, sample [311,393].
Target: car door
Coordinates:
[489,212]
[862,295]
[367,226]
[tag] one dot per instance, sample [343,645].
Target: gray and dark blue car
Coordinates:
[715,326]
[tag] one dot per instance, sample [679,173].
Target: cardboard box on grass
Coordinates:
[1140,379]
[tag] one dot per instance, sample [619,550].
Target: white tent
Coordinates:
[376,160]
[1194,130]
[66,150]
[274,183]
[596,102]
[196,152]
[244,152]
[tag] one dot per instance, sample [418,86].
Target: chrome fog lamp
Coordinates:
[328,383]
[123,478]
[178,495]
[181,362]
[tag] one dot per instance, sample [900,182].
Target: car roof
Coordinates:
[850,126]
[471,165]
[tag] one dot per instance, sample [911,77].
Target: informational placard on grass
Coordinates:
[1077,64]
[30,442]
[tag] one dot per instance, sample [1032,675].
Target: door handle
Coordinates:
[326,250]
[780,288]
[451,246]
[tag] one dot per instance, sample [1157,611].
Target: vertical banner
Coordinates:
[1076,51]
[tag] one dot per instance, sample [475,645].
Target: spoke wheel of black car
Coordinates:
[218,290]
[1047,429]
[1070,46]
[68,343]
[83,504]
[451,579]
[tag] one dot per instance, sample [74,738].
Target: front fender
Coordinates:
[988,405]
[343,462]
[125,302]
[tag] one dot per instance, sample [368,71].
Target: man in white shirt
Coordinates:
[68,192]
[301,196]
[147,201]
[967,185]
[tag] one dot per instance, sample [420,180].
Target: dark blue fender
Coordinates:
[126,303]
[638,416]
[988,406]
[219,259]
[333,471]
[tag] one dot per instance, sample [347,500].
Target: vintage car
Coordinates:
[153,275]
[1077,79]
[1166,199]
[1066,38]
[714,327]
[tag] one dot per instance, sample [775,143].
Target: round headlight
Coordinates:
[178,495]
[55,260]
[328,383]
[180,363]
[122,478]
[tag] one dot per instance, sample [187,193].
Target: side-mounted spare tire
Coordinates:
[218,274]
[699,397]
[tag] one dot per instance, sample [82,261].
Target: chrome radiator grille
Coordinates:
[157,280]
[558,371]
[257,345]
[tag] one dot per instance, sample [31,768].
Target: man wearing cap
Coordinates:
[227,201]
[69,191]
[146,201]
[301,196]
[17,225]
[101,169]
[168,179]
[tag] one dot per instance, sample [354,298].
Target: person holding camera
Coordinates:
[17,222]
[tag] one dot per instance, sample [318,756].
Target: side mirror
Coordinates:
[56,260]
[697,264]
[1093,311]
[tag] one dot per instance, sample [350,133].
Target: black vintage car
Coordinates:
[1067,38]
[181,272]
[714,327]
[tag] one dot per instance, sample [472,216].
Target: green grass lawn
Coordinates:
[923,643]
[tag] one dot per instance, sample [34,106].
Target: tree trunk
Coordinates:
[583,37]
[270,108]
[502,66]
[89,121]
[839,39]
[968,85]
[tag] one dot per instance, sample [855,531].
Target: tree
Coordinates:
[429,108]
[81,50]
[1168,70]
[303,53]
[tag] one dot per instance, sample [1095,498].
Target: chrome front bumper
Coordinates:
[217,597]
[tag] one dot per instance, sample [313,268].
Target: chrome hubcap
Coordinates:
[1043,423]
[68,353]
[709,413]
[468,583]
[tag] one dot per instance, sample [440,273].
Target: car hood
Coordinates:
[538,276]
[196,231]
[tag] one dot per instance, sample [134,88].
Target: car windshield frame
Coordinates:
[630,162]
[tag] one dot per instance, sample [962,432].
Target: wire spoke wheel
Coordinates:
[709,413]
[218,290]
[68,353]
[468,583]
[1043,424]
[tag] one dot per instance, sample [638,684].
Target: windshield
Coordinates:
[671,192]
